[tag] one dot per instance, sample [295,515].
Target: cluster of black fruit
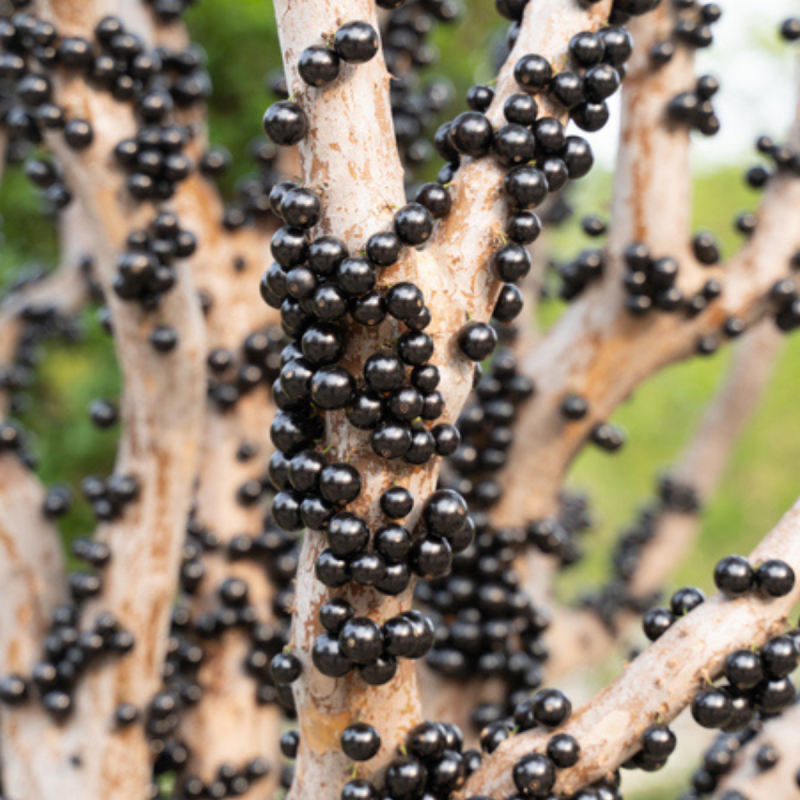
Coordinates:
[317,285]
[163,714]
[69,650]
[757,681]
[786,301]
[783,159]
[26,106]
[694,108]
[405,38]
[598,66]
[170,10]
[486,624]
[721,758]
[650,284]
[692,29]
[606,436]
[695,23]
[181,690]
[582,271]
[535,774]
[353,43]
[434,763]
[274,550]
[487,431]
[156,81]
[230,781]
[40,322]
[349,642]
[46,175]
[558,536]
[615,597]
[538,154]
[232,375]
[146,269]
[734,577]
[540,157]
[109,496]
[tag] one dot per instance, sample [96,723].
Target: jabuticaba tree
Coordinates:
[324,561]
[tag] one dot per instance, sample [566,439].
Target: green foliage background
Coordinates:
[240,40]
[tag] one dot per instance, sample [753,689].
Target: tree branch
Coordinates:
[603,353]
[659,683]
[474,227]
[162,412]
[578,637]
[651,204]
[359,188]
[228,725]
[63,291]
[652,178]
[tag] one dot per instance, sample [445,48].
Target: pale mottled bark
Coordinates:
[474,227]
[360,187]
[33,584]
[652,200]
[227,725]
[651,204]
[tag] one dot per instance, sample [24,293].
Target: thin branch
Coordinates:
[708,454]
[578,637]
[65,290]
[603,353]
[652,177]
[228,726]
[652,191]
[474,227]
[658,684]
